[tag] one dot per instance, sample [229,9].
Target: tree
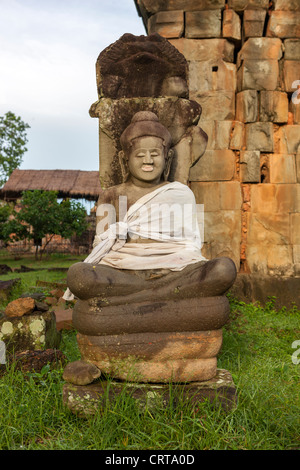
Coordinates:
[13,139]
[41,214]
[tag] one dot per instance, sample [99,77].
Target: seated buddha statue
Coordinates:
[147,239]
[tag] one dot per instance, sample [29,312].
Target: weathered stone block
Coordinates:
[237,137]
[289,5]
[282,169]
[284,24]
[208,194]
[287,139]
[265,229]
[231,25]
[275,198]
[215,165]
[280,260]
[258,75]
[296,254]
[223,234]
[212,75]
[154,6]
[205,49]
[250,166]
[216,196]
[274,106]
[247,106]
[203,24]
[222,134]
[253,24]
[216,105]
[292,49]
[298,167]
[240,5]
[261,48]
[230,196]
[295,228]
[294,109]
[259,136]
[30,332]
[169,24]
[291,73]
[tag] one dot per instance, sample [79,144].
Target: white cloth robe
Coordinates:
[167,215]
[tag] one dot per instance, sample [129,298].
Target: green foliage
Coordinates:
[5,211]
[41,214]
[12,144]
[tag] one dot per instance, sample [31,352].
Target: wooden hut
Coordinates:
[75,184]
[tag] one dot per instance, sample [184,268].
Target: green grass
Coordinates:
[257,350]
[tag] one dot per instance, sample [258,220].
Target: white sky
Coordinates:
[48,51]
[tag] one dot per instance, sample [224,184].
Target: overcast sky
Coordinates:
[48,51]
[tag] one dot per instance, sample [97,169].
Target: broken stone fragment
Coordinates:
[20,307]
[81,373]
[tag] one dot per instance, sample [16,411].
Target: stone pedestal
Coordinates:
[86,400]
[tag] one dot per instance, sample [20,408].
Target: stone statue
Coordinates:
[148,300]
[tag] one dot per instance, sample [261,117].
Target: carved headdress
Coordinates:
[145,123]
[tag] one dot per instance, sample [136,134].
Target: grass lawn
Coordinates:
[257,350]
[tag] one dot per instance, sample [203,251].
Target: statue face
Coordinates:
[146,159]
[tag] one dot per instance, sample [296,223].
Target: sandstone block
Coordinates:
[298,167]
[215,165]
[154,6]
[259,136]
[291,74]
[282,169]
[289,5]
[275,198]
[240,5]
[292,49]
[29,332]
[231,25]
[230,196]
[287,139]
[280,260]
[247,106]
[216,196]
[20,307]
[223,234]
[212,75]
[294,109]
[265,229]
[261,48]
[203,24]
[237,136]
[295,228]
[208,194]
[250,166]
[205,49]
[169,24]
[222,134]
[296,254]
[253,24]
[258,75]
[216,105]
[274,106]
[284,24]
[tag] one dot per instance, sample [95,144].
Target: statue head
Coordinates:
[146,154]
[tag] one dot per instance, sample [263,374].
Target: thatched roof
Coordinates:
[75,184]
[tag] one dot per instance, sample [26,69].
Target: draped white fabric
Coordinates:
[167,215]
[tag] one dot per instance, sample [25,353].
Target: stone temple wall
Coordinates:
[244,71]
